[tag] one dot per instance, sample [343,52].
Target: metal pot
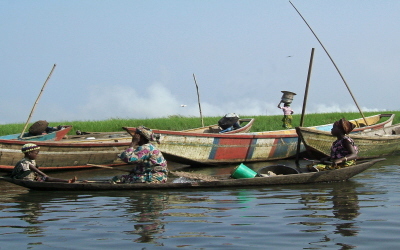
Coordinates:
[287,97]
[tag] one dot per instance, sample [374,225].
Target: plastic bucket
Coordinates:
[242,171]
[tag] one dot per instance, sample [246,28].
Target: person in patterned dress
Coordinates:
[343,150]
[149,163]
[287,115]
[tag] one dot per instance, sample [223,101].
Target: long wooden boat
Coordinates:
[53,136]
[94,148]
[304,177]
[213,149]
[376,143]
[246,124]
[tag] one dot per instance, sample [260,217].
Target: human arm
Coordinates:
[35,169]
[279,104]
[135,141]
[352,154]
[136,152]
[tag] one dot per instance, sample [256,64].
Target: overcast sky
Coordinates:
[136,59]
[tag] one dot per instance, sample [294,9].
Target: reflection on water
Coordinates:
[342,202]
[147,212]
[344,215]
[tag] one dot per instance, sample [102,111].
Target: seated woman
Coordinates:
[343,151]
[149,163]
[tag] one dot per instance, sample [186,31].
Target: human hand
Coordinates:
[336,162]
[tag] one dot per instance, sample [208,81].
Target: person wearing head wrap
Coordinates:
[287,115]
[27,168]
[343,150]
[149,163]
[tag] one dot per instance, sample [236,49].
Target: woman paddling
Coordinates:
[343,150]
[149,163]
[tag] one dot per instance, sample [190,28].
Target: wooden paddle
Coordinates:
[318,161]
[202,177]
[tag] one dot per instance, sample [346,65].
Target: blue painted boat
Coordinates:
[53,136]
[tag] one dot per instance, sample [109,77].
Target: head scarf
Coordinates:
[148,134]
[345,125]
[29,147]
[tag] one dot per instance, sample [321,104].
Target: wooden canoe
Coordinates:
[246,124]
[76,153]
[54,136]
[376,143]
[303,177]
[216,149]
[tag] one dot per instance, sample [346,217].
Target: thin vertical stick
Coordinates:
[198,100]
[347,86]
[304,104]
[37,100]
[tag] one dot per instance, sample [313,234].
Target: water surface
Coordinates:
[360,213]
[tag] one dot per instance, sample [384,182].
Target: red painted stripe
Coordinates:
[238,150]
[273,148]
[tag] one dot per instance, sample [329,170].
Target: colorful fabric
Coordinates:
[148,134]
[324,167]
[29,147]
[339,151]
[287,121]
[150,165]
[287,110]
[22,170]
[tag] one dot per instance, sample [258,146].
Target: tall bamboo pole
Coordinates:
[37,101]
[347,86]
[304,104]
[198,100]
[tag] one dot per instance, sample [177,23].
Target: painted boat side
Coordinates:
[200,148]
[54,136]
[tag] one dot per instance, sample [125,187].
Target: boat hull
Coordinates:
[181,147]
[374,143]
[54,136]
[301,178]
[76,153]
[215,149]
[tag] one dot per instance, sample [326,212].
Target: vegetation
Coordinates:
[262,123]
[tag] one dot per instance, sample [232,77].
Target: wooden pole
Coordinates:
[347,86]
[36,102]
[198,100]
[304,104]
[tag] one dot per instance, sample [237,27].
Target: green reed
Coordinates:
[262,123]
